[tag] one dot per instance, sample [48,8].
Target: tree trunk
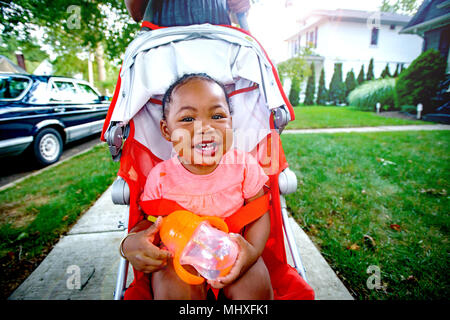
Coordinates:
[99,53]
[90,69]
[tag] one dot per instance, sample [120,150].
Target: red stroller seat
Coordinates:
[259,104]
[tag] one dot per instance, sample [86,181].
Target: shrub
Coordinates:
[386,73]
[337,86]
[420,81]
[370,75]
[361,77]
[311,87]
[367,95]
[350,83]
[409,109]
[294,93]
[322,93]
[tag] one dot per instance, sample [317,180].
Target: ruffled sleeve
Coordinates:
[254,177]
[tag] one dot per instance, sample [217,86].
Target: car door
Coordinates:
[77,107]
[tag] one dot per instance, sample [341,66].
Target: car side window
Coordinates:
[63,91]
[87,94]
[12,87]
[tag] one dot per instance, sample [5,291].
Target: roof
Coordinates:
[8,66]
[432,14]
[359,16]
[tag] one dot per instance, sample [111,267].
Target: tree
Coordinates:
[370,74]
[386,73]
[311,87]
[295,67]
[337,86]
[408,7]
[350,82]
[322,94]
[81,26]
[361,77]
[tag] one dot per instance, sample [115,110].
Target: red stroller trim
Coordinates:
[137,161]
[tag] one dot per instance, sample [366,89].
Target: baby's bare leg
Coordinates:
[167,285]
[252,285]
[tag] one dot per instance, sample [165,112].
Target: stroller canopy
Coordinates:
[156,59]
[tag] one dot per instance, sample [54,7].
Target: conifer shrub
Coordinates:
[310,87]
[294,93]
[420,81]
[337,86]
[322,92]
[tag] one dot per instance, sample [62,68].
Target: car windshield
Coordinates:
[87,93]
[11,87]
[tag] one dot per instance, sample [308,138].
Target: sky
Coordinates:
[271,22]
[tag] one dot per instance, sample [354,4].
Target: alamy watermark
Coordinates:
[374,281]
[74,20]
[74,280]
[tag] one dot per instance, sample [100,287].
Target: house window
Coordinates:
[374,37]
[311,38]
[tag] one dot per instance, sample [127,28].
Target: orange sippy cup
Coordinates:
[193,241]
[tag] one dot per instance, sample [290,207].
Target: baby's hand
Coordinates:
[246,258]
[142,253]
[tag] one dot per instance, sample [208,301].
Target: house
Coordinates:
[353,37]
[432,23]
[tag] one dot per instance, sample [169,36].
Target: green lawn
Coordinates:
[377,199]
[338,117]
[37,211]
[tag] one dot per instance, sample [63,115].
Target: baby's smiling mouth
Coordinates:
[207,146]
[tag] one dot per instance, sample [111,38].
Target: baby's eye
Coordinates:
[218,116]
[187,119]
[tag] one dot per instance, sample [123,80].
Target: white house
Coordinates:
[353,37]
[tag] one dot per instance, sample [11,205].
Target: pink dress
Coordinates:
[220,193]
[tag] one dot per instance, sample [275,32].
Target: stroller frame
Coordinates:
[115,131]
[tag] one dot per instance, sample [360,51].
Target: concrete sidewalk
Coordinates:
[90,250]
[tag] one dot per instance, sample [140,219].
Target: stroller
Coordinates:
[152,62]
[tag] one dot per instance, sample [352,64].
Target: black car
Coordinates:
[42,113]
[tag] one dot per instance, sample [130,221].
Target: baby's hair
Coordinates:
[185,79]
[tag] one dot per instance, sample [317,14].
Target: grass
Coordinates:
[338,117]
[37,211]
[377,199]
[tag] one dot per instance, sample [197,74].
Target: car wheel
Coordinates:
[47,146]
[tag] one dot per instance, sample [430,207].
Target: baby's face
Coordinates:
[198,124]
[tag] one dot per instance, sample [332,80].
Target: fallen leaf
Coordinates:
[395,227]
[65,218]
[313,230]
[329,222]
[353,247]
